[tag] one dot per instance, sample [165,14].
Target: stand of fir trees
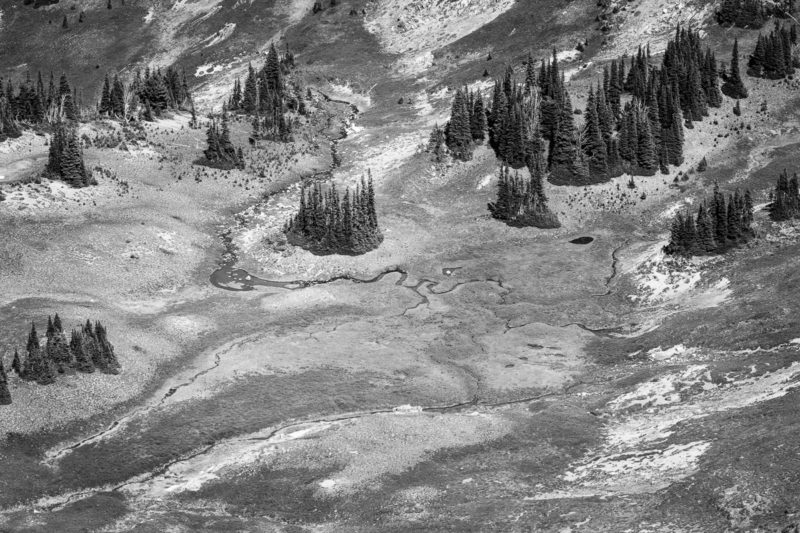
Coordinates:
[65,158]
[87,349]
[32,104]
[522,202]
[718,225]
[265,97]
[786,198]
[645,135]
[152,93]
[752,14]
[329,224]
[773,56]
[220,151]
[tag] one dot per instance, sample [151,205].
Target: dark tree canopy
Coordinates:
[639,137]
[719,224]
[65,159]
[329,224]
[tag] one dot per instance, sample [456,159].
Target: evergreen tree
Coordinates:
[117,98]
[646,147]
[37,367]
[564,153]
[155,93]
[733,86]
[65,161]
[596,147]
[105,359]
[16,363]
[478,124]
[57,350]
[83,362]
[65,99]
[5,395]
[105,99]
[459,132]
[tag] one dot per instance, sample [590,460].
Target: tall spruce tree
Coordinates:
[5,395]
[458,131]
[733,86]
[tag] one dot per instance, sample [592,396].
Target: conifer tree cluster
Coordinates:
[329,224]
[32,104]
[534,117]
[65,158]
[718,225]
[153,93]
[467,125]
[220,151]
[87,349]
[522,202]
[752,14]
[265,97]
[772,57]
[786,199]
[112,99]
[437,144]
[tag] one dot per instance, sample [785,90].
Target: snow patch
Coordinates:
[654,424]
[635,458]
[209,68]
[151,13]
[656,467]
[485,181]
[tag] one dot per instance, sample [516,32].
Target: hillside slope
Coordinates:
[466,375]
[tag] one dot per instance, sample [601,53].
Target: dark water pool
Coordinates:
[582,240]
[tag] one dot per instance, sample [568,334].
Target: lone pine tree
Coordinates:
[5,395]
[734,86]
[16,363]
